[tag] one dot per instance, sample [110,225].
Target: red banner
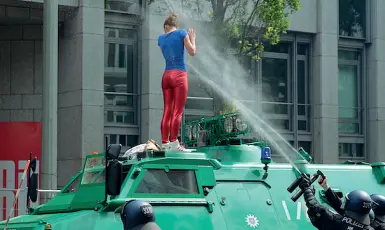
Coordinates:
[17,141]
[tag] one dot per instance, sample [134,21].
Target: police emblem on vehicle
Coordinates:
[252,221]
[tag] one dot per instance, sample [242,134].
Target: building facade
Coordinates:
[325,77]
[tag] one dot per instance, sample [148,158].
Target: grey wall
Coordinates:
[20,73]
[308,11]
[81,82]
[80,102]
[61,2]
[152,70]
[376,84]
[325,83]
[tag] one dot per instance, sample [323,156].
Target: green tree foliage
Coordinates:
[249,23]
[228,108]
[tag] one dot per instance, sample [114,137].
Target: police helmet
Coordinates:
[358,205]
[138,215]
[379,206]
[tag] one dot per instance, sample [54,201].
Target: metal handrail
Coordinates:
[201,98]
[121,94]
[39,190]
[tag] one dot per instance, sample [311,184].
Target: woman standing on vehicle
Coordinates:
[174,81]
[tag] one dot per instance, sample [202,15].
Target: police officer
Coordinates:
[138,215]
[377,218]
[379,211]
[331,196]
[357,207]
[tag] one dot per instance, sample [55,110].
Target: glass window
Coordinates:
[306,145]
[121,101]
[73,187]
[129,6]
[348,55]
[122,117]
[302,96]
[199,103]
[349,92]
[197,88]
[127,141]
[302,49]
[283,47]
[158,181]
[120,77]
[94,170]
[94,177]
[200,100]
[274,84]
[275,90]
[275,80]
[352,18]
[351,150]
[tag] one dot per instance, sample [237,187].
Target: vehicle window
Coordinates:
[158,181]
[94,177]
[94,170]
[74,185]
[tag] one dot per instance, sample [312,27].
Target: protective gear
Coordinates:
[334,201]
[174,87]
[377,225]
[379,211]
[379,207]
[358,205]
[138,215]
[322,218]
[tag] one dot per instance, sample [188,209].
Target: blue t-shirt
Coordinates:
[172,46]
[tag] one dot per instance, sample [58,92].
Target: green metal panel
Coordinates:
[246,205]
[231,193]
[206,176]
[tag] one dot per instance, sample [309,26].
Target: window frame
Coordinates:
[107,134]
[112,71]
[124,21]
[289,90]
[368,23]
[360,138]
[132,12]
[359,82]
[147,167]
[352,142]
[293,135]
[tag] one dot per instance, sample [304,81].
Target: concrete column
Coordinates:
[81,90]
[325,83]
[50,87]
[376,83]
[152,70]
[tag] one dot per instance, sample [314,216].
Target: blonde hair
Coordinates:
[171,20]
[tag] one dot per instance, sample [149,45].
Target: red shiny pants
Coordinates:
[174,87]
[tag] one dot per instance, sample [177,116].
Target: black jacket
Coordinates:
[324,219]
[378,225]
[335,202]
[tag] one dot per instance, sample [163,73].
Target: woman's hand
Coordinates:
[192,34]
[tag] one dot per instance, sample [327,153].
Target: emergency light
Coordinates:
[266,155]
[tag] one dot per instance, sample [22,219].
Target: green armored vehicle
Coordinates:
[224,184]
